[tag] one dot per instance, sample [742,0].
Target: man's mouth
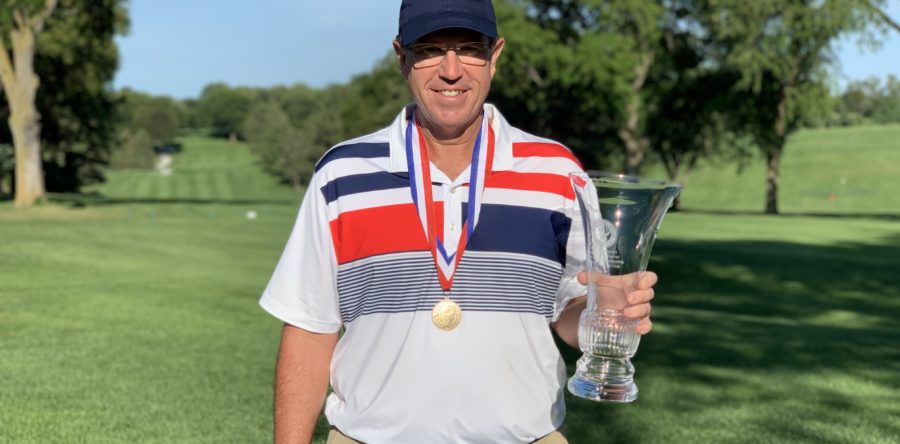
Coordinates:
[450,92]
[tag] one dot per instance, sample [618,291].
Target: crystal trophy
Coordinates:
[620,216]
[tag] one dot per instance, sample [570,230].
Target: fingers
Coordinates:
[644,326]
[642,280]
[638,304]
[582,278]
[637,311]
[640,297]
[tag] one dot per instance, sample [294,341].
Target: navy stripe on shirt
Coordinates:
[358,150]
[361,183]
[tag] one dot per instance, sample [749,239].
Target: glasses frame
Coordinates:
[437,60]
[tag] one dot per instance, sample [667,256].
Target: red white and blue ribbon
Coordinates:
[420,185]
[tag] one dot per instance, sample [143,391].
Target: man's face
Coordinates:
[450,93]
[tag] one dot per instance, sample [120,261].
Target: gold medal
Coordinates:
[446,314]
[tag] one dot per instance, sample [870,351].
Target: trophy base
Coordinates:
[604,379]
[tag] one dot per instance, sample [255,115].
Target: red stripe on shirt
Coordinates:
[544,182]
[542,149]
[379,230]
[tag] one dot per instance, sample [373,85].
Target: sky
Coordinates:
[176,47]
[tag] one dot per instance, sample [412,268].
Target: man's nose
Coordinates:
[451,68]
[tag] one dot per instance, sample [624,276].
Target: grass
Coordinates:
[835,170]
[766,330]
[134,318]
[128,314]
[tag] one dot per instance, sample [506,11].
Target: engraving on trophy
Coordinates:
[610,234]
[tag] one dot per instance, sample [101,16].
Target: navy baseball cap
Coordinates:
[421,17]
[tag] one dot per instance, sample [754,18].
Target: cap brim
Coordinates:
[426,24]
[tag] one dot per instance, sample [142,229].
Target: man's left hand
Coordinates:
[639,289]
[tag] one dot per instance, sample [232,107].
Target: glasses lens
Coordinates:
[427,55]
[473,53]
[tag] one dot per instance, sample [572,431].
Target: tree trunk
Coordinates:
[20,84]
[774,152]
[676,204]
[773,163]
[24,121]
[636,145]
[681,178]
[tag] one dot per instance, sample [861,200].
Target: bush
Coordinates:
[135,151]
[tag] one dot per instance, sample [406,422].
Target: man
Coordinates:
[438,245]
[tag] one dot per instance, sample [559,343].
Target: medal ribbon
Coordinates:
[420,185]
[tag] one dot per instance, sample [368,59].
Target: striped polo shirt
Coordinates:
[358,258]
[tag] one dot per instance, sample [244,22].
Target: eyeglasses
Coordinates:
[426,55]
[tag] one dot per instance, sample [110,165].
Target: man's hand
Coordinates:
[638,289]
[639,292]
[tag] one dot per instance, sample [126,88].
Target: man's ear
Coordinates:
[401,58]
[495,55]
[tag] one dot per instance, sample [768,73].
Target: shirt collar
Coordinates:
[503,158]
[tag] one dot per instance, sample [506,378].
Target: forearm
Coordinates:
[301,382]
[567,325]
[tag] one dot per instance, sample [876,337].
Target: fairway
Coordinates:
[129,313]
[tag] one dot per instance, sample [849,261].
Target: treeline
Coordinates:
[621,82]
[287,127]
[290,127]
[867,101]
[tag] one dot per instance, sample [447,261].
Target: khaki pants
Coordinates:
[336,437]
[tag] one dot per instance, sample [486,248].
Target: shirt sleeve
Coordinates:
[303,289]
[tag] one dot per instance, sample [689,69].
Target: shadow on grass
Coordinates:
[95,199]
[737,323]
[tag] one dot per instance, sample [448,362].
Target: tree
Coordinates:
[592,56]
[282,150]
[223,109]
[548,84]
[289,128]
[135,151]
[297,101]
[781,48]
[370,100]
[19,24]
[76,58]
[689,119]
[158,117]
[871,100]
[888,108]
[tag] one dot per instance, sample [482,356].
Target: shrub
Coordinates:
[135,151]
